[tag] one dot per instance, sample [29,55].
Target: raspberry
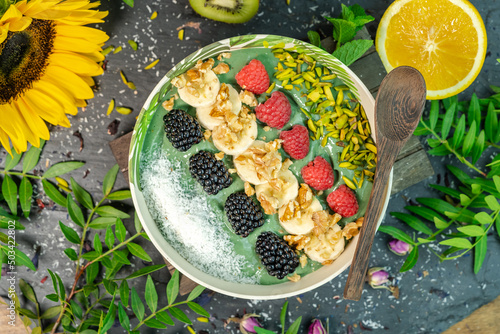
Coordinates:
[275,112]
[253,77]
[318,174]
[343,201]
[296,141]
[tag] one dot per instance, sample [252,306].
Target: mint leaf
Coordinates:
[347,13]
[314,38]
[357,15]
[352,51]
[343,30]
[129,2]
[357,10]
[361,21]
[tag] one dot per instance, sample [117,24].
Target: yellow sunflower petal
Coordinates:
[80,103]
[90,34]
[61,77]
[3,32]
[96,56]
[74,44]
[36,124]
[76,63]
[46,107]
[4,140]
[23,122]
[65,99]
[18,130]
[88,80]
[11,14]
[21,24]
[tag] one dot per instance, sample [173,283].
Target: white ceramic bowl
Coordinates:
[248,291]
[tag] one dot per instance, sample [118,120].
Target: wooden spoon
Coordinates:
[398,107]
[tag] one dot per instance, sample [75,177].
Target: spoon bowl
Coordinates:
[398,108]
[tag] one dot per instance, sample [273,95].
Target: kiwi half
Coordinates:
[229,11]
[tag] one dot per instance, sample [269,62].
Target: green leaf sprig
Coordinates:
[19,194]
[93,307]
[464,217]
[351,20]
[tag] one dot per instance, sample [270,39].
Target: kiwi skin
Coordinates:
[229,11]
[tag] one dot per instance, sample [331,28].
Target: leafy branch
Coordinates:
[473,208]
[21,194]
[87,306]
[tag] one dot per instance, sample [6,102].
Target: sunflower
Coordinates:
[47,61]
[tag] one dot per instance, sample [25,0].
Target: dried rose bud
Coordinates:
[399,247]
[247,323]
[377,277]
[316,327]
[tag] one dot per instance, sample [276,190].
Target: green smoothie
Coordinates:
[156,141]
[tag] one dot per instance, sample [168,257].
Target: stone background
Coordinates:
[433,296]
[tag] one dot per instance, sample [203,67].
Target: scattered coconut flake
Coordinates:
[192,227]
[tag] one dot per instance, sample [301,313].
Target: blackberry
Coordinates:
[209,172]
[182,130]
[243,213]
[274,253]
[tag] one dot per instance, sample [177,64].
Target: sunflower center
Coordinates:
[23,58]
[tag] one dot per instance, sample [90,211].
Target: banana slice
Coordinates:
[260,163]
[197,87]
[300,221]
[235,135]
[327,246]
[213,115]
[278,191]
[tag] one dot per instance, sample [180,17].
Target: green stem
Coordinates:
[474,244]
[158,311]
[114,248]
[492,144]
[22,174]
[84,232]
[452,150]
[87,312]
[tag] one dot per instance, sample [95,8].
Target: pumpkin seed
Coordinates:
[344,164]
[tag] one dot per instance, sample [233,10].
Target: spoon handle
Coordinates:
[359,266]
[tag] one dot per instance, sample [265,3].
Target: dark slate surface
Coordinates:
[427,304]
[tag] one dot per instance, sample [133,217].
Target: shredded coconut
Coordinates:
[187,221]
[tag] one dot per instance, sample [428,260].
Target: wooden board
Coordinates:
[483,320]
[411,167]
[5,318]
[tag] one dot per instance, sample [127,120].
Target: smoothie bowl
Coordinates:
[220,178]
